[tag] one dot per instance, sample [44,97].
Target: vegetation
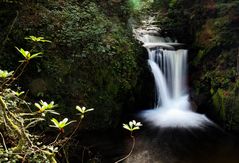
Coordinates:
[93,60]
[132,126]
[75,69]
[16,121]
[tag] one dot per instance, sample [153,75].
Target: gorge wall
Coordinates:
[210,30]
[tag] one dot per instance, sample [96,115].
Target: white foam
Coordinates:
[174,118]
[177,114]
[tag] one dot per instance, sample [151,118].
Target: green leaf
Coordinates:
[61,124]
[83,110]
[56,123]
[18,93]
[37,39]
[38,106]
[126,127]
[133,125]
[45,107]
[27,55]
[36,55]
[5,74]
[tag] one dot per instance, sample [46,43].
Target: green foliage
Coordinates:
[5,74]
[27,55]
[60,125]
[133,125]
[36,39]
[44,107]
[225,103]
[172,3]
[18,93]
[218,101]
[92,57]
[83,110]
[15,122]
[139,5]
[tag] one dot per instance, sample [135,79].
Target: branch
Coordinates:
[78,125]
[3,141]
[133,144]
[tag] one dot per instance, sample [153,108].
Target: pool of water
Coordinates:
[185,145]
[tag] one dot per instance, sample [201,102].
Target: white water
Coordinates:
[172,107]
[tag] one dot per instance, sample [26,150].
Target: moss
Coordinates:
[219,103]
[196,61]
[226,105]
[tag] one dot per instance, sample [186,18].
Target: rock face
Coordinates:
[211,30]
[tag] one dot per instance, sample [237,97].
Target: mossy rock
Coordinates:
[226,105]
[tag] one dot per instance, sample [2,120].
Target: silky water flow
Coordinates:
[173,132]
[169,68]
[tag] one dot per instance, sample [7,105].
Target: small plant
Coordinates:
[44,107]
[60,125]
[5,74]
[37,39]
[27,55]
[83,110]
[18,93]
[15,121]
[131,126]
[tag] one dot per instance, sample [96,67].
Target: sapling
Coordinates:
[82,111]
[37,39]
[60,125]
[27,57]
[5,74]
[15,122]
[28,148]
[44,107]
[131,126]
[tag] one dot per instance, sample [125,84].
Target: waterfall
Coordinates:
[169,68]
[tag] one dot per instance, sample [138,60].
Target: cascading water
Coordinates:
[172,107]
[176,133]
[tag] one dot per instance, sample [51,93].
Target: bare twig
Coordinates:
[3,141]
[82,156]
[133,144]
[55,139]
[22,70]
[66,157]
[78,125]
